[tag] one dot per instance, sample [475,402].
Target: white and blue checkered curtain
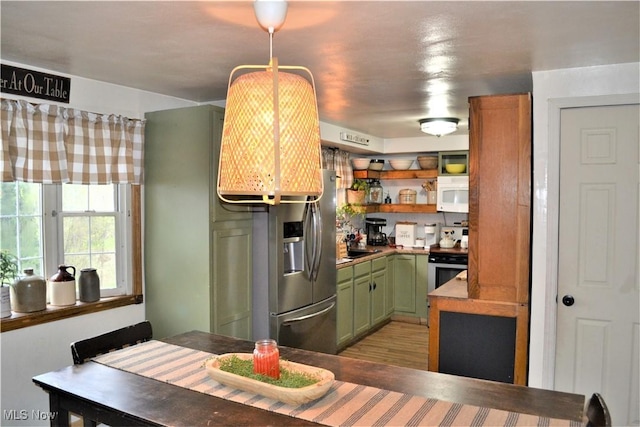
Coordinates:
[50,144]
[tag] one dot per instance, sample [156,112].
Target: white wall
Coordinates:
[37,349]
[551,89]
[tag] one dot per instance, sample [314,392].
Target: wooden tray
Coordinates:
[294,396]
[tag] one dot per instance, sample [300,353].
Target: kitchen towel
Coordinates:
[346,404]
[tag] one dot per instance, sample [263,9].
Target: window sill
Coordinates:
[52,313]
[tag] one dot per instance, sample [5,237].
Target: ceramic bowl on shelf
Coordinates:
[401,164]
[376,164]
[455,167]
[360,164]
[428,162]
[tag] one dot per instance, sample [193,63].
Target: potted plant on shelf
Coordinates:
[357,193]
[8,273]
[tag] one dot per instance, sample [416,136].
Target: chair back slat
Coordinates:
[597,412]
[110,341]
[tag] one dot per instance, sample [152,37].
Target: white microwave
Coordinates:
[453,194]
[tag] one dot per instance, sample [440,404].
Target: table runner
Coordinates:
[345,404]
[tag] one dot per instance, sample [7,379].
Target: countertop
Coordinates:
[386,250]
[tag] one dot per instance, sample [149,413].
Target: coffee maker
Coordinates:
[375,237]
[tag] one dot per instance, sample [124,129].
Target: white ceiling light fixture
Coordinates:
[438,126]
[270,150]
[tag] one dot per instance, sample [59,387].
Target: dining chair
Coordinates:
[85,349]
[597,412]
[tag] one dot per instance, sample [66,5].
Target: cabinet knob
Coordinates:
[568,300]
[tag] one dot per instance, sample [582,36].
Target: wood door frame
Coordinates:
[555,107]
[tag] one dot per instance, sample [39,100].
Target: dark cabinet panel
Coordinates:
[477,346]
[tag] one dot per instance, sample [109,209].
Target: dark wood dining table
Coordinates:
[115,397]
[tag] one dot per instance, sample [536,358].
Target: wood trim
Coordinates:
[136,226]
[52,313]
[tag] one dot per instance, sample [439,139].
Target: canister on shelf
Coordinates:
[375,193]
[89,285]
[407,196]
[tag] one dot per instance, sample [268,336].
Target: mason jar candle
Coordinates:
[266,358]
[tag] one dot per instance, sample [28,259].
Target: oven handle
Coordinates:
[308,316]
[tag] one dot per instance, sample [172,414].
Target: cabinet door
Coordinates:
[345,305]
[361,294]
[378,287]
[405,284]
[220,210]
[389,290]
[422,265]
[232,277]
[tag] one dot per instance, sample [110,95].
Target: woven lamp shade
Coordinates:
[270,147]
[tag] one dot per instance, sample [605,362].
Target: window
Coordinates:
[45,225]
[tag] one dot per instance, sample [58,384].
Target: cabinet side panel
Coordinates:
[500,166]
[176,207]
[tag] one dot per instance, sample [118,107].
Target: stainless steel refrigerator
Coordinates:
[302,272]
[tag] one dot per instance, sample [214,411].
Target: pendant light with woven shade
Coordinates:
[270,151]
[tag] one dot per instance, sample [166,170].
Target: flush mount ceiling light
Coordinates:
[270,151]
[438,126]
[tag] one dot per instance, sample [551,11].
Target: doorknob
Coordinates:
[568,300]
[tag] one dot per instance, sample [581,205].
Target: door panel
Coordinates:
[597,339]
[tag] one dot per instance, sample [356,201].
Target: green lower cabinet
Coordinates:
[361,295]
[378,290]
[345,305]
[422,263]
[405,284]
[389,289]
[232,278]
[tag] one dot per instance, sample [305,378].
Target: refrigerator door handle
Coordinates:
[318,240]
[308,316]
[309,244]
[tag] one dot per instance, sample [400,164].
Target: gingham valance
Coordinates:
[338,160]
[50,144]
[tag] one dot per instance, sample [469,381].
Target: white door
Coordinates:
[598,299]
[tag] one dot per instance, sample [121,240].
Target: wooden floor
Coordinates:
[397,343]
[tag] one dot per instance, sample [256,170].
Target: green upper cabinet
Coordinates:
[197,251]
[222,211]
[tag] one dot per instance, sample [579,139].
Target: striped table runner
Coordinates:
[345,404]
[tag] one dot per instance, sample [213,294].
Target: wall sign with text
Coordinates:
[35,84]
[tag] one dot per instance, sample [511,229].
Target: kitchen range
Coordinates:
[446,263]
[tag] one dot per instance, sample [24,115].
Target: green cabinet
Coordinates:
[410,285]
[405,284]
[378,290]
[345,305]
[422,264]
[361,298]
[232,241]
[197,250]
[389,289]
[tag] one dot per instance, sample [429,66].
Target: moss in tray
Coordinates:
[288,379]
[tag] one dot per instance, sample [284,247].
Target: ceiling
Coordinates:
[378,66]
